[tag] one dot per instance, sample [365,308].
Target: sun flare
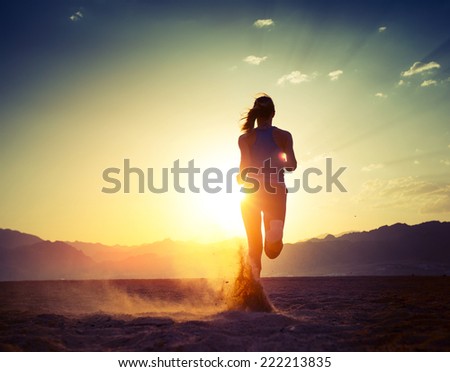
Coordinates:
[223,210]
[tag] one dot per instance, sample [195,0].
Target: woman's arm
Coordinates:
[291,161]
[245,156]
[284,140]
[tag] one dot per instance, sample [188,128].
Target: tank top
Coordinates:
[263,149]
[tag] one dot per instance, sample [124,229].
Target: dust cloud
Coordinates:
[174,298]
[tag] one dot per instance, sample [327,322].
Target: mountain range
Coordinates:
[399,249]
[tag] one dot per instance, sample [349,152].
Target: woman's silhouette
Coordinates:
[266,152]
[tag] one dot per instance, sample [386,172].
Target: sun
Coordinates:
[222,210]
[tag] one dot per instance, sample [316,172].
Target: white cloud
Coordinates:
[334,75]
[382,29]
[448,146]
[296,77]
[403,83]
[371,167]
[76,16]
[406,192]
[419,67]
[416,162]
[260,23]
[380,95]
[428,83]
[254,60]
[445,162]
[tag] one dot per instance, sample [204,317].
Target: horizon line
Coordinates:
[320,236]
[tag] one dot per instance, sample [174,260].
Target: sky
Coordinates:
[86,85]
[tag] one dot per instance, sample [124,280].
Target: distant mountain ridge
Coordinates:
[11,238]
[399,249]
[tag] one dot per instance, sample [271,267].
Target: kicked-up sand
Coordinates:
[278,314]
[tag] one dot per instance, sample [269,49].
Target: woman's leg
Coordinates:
[251,215]
[274,209]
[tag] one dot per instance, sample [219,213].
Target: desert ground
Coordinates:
[304,314]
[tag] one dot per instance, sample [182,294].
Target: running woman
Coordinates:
[266,152]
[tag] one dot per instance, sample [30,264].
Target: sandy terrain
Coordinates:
[310,314]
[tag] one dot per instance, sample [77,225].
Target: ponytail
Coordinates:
[250,120]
